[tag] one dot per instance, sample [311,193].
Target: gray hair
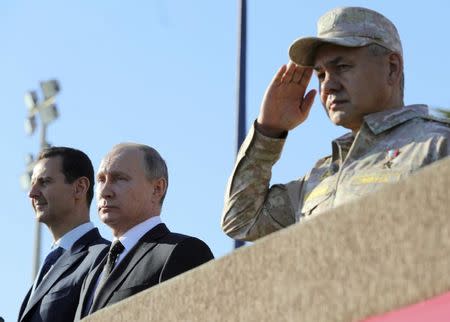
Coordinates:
[155,166]
[377,50]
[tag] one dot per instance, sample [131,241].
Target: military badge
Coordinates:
[390,156]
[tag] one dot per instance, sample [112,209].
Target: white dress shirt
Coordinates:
[129,240]
[71,237]
[132,236]
[66,242]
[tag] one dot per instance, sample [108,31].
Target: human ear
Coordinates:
[159,187]
[395,61]
[81,186]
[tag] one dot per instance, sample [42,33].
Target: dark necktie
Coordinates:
[50,260]
[116,249]
[114,252]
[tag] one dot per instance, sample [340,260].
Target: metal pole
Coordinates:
[37,225]
[242,46]
[43,141]
[47,112]
[36,250]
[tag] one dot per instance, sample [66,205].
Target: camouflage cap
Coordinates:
[348,27]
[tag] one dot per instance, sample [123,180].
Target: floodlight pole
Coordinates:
[50,89]
[36,250]
[37,225]
[241,119]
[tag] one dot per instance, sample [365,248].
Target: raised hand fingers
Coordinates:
[302,76]
[289,73]
[277,79]
[296,75]
[284,105]
[306,77]
[307,102]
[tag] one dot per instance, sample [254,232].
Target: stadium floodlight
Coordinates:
[30,125]
[25,178]
[31,100]
[48,113]
[29,158]
[50,88]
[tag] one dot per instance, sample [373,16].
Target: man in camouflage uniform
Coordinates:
[358,60]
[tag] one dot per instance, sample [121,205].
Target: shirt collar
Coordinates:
[132,236]
[341,146]
[378,123]
[385,120]
[69,238]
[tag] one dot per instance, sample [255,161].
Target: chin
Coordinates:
[337,120]
[108,218]
[104,217]
[40,216]
[340,120]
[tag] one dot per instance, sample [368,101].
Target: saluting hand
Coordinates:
[285,104]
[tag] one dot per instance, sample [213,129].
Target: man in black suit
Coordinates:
[131,186]
[61,194]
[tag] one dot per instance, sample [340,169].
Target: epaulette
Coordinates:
[436,119]
[323,161]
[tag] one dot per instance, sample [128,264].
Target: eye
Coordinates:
[43,181]
[343,67]
[321,76]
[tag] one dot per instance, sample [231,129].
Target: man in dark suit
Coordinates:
[131,186]
[61,194]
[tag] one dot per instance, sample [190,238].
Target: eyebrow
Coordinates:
[40,179]
[332,62]
[113,174]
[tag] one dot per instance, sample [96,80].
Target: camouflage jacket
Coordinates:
[389,146]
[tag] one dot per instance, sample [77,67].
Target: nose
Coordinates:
[34,192]
[104,190]
[329,84]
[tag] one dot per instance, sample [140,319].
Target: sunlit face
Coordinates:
[124,194]
[51,197]
[353,83]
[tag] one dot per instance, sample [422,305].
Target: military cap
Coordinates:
[348,27]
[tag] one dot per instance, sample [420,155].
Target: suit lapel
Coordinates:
[119,273]
[89,286]
[67,260]
[25,303]
[60,267]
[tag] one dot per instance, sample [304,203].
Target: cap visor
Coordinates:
[303,50]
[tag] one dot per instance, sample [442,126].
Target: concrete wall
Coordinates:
[388,250]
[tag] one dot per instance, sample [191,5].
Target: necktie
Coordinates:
[49,261]
[116,249]
[114,252]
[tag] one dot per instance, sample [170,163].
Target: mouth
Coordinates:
[40,205]
[336,104]
[106,208]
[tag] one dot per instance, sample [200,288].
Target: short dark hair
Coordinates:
[74,164]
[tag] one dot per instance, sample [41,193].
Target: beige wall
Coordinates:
[388,250]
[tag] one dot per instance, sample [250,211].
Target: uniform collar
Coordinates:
[385,120]
[378,123]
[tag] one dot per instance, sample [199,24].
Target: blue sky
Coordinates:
[163,73]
